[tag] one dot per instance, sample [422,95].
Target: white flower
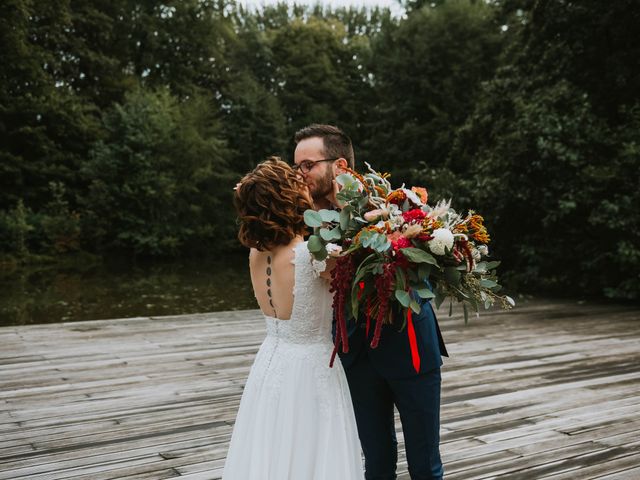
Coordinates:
[442,207]
[475,253]
[333,250]
[484,250]
[411,231]
[395,216]
[442,239]
[373,215]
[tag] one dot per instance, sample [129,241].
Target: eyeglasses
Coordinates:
[307,165]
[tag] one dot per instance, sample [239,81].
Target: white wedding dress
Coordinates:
[296,420]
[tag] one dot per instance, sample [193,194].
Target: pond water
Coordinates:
[118,289]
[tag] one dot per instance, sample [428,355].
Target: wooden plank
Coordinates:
[548,390]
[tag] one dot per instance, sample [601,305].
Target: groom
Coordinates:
[382,377]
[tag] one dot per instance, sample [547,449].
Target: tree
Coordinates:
[159,182]
[427,72]
[547,145]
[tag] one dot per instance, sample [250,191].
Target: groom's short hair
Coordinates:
[337,144]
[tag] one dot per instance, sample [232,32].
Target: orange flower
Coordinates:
[460,228]
[422,193]
[397,197]
[479,231]
[481,236]
[476,222]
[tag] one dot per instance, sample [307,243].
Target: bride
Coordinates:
[296,419]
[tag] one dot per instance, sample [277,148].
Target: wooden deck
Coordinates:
[549,390]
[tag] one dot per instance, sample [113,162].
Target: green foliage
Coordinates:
[313,76]
[548,162]
[428,70]
[61,225]
[14,229]
[159,181]
[125,124]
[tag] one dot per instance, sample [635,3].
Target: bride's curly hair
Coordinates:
[270,205]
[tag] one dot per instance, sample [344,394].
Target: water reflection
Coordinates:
[119,289]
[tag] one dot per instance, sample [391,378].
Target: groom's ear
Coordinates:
[340,166]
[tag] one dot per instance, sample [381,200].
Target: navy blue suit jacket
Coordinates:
[392,357]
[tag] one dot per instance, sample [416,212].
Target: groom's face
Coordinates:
[319,175]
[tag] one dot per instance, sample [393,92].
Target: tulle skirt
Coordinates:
[295,420]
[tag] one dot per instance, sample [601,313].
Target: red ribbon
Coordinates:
[413,342]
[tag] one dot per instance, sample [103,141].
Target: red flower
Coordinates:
[401,261]
[416,215]
[400,242]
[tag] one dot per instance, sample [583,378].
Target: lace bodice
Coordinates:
[311,315]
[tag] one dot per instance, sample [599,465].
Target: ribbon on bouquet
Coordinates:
[413,342]
[411,331]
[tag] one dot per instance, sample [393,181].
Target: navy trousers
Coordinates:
[383,377]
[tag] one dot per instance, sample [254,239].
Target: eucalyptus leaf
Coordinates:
[416,255]
[344,196]
[329,215]
[481,266]
[403,297]
[325,233]
[492,265]
[466,313]
[381,243]
[315,244]
[366,238]
[330,235]
[345,179]
[336,233]
[345,217]
[425,293]
[312,218]
[415,306]
[485,282]
[321,255]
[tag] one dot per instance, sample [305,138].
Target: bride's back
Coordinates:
[273,279]
[299,309]
[271,201]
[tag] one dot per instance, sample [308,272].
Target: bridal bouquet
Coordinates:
[395,249]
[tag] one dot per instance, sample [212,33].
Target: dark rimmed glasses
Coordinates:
[307,165]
